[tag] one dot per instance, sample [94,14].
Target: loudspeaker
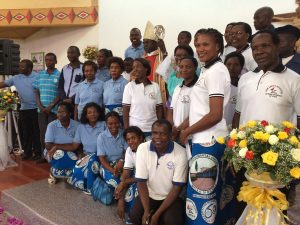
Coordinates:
[9,57]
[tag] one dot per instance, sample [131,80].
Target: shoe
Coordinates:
[26,157]
[40,160]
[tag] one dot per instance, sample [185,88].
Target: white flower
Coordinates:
[241,134]
[233,132]
[242,152]
[273,139]
[296,154]
[270,129]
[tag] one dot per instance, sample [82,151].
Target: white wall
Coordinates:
[117,17]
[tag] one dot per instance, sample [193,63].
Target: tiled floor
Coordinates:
[26,172]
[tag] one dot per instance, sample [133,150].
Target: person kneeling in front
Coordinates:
[161,172]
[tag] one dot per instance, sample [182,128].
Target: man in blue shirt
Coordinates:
[28,111]
[136,50]
[71,75]
[46,86]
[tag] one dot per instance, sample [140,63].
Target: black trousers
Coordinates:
[44,119]
[174,215]
[30,132]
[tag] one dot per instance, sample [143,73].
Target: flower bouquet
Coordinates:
[8,101]
[270,153]
[90,52]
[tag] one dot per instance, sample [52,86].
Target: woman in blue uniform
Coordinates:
[61,132]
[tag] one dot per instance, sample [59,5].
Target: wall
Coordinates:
[117,17]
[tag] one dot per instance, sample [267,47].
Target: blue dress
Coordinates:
[86,169]
[62,162]
[113,148]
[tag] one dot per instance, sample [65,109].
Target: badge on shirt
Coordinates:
[117,89]
[185,99]
[152,95]
[55,80]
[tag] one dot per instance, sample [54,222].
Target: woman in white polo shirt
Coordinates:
[180,104]
[142,103]
[209,97]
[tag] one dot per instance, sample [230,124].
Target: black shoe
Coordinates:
[26,157]
[40,160]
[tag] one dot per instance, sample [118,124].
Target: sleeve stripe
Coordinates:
[124,104]
[140,179]
[237,112]
[128,168]
[179,183]
[216,95]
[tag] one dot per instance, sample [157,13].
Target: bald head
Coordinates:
[263,18]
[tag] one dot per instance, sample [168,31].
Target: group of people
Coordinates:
[147,125]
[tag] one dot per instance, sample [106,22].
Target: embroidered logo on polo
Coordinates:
[170,165]
[209,211]
[226,195]
[274,91]
[95,90]
[233,99]
[185,99]
[152,95]
[191,209]
[203,175]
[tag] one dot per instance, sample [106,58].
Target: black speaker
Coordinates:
[9,57]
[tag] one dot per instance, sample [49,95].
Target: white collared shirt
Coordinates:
[271,96]
[161,173]
[230,107]
[213,82]
[142,101]
[250,64]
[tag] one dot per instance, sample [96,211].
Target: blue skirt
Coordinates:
[62,164]
[85,172]
[204,185]
[117,108]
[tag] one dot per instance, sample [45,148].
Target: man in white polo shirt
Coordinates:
[161,172]
[271,94]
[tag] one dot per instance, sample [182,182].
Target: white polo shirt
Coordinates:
[250,64]
[213,82]
[130,158]
[143,101]
[272,96]
[161,173]
[230,107]
[181,102]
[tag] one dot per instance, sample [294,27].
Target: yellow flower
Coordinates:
[294,140]
[221,140]
[282,135]
[288,124]
[5,97]
[295,172]
[243,143]
[270,158]
[296,154]
[251,123]
[265,137]
[8,94]
[233,136]
[258,135]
